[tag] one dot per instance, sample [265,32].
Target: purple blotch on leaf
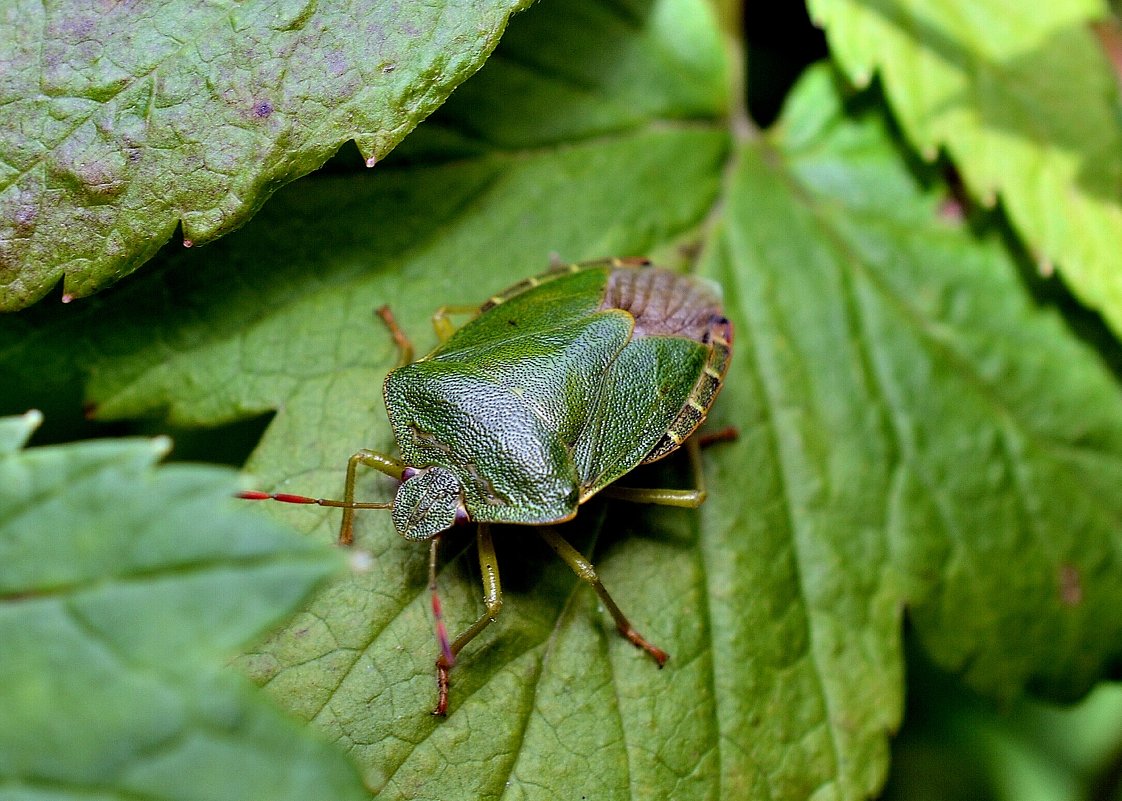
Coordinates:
[262,108]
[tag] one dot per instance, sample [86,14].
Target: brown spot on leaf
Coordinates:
[1071,585]
[1109,34]
[25,217]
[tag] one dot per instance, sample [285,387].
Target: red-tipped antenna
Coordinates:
[284,497]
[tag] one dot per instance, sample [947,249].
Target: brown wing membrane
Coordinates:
[664,303]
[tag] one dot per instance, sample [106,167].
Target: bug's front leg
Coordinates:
[380,462]
[587,573]
[492,599]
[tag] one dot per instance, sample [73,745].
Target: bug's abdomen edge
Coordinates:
[701,397]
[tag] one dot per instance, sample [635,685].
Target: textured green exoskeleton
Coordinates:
[554,390]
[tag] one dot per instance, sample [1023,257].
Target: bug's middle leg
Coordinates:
[689,499]
[443,326]
[587,573]
[492,599]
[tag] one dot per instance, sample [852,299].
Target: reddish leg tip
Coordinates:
[442,685]
[726,434]
[639,641]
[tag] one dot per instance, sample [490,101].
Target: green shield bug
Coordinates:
[556,388]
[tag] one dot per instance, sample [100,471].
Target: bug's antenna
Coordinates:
[284,497]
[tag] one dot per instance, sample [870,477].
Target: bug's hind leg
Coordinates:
[404,346]
[492,599]
[587,573]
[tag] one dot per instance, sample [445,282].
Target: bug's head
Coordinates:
[428,501]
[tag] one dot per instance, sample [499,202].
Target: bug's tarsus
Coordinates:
[639,641]
[447,658]
[442,684]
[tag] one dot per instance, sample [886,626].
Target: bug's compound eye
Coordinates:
[427,503]
[462,515]
[408,473]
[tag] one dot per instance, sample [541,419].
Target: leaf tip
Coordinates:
[188,242]
[15,431]
[32,419]
[161,446]
[370,162]
[67,297]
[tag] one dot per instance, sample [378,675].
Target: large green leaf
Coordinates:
[915,433]
[925,439]
[122,591]
[1024,103]
[121,123]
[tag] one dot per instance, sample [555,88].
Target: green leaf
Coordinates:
[122,124]
[917,433]
[1024,104]
[122,590]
